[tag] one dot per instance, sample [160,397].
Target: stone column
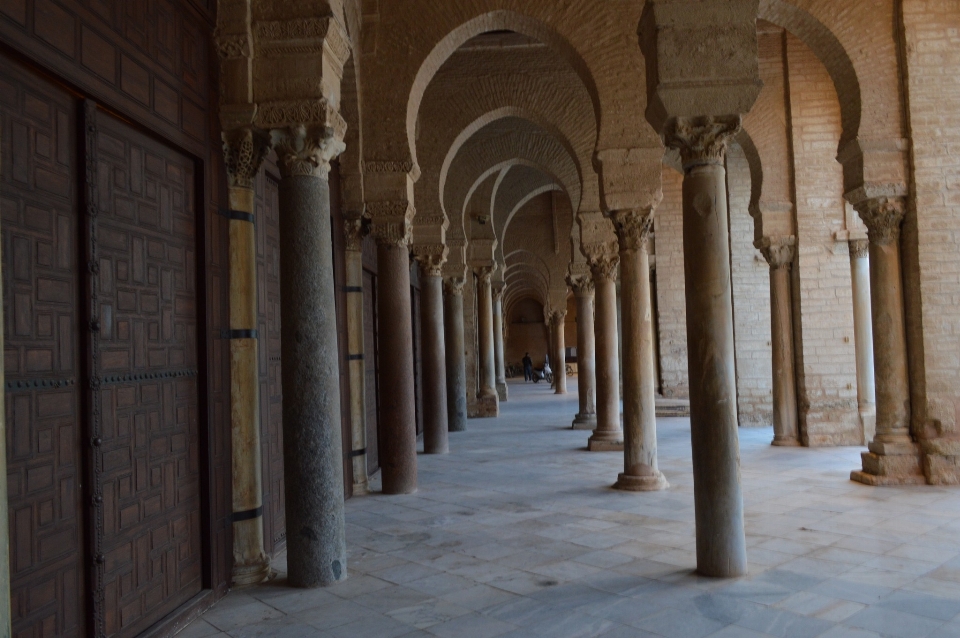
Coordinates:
[5,603]
[354,231]
[499,363]
[721,544]
[583,290]
[779,253]
[893,458]
[455,354]
[863,335]
[558,320]
[433,353]
[641,472]
[398,417]
[244,150]
[489,404]
[608,436]
[312,448]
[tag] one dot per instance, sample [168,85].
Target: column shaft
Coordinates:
[456,356]
[863,336]
[785,427]
[398,419]
[435,424]
[721,544]
[608,436]
[357,362]
[641,472]
[487,396]
[586,418]
[499,363]
[312,452]
[560,352]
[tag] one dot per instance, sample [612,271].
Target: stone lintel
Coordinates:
[874,168]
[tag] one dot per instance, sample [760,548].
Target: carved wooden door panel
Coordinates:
[142,293]
[38,195]
[370,369]
[268,331]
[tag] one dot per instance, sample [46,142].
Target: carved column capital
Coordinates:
[244,150]
[883,217]
[779,251]
[454,285]
[582,285]
[306,150]
[633,228]
[391,222]
[431,258]
[354,230]
[701,140]
[604,267]
[859,248]
[498,288]
[558,318]
[484,273]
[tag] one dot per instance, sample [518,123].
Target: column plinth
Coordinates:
[488,401]
[893,457]
[455,354]
[583,290]
[641,472]
[608,435]
[435,424]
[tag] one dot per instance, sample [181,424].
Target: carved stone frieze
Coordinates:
[306,150]
[633,228]
[778,251]
[232,47]
[883,217]
[390,222]
[311,112]
[243,152]
[303,36]
[372,166]
[701,140]
[859,248]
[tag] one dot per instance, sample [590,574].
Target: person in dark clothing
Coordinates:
[527,367]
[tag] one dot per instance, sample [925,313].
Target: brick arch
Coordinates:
[517,295]
[756,178]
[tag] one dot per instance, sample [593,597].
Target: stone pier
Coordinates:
[433,347]
[583,291]
[779,253]
[608,435]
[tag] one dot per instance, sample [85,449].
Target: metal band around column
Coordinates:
[239,215]
[239,334]
[247,515]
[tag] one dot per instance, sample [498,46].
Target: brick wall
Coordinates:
[671,303]
[827,376]
[751,302]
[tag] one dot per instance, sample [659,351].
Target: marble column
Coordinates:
[244,150]
[499,363]
[608,436]
[488,400]
[312,448]
[863,336]
[433,349]
[354,231]
[893,458]
[779,253]
[583,291]
[398,417]
[718,497]
[455,354]
[641,472]
[558,321]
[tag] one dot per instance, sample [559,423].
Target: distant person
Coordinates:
[527,368]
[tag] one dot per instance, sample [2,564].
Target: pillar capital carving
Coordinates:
[484,273]
[633,228]
[355,228]
[454,285]
[498,288]
[778,251]
[883,217]
[558,318]
[304,150]
[582,285]
[244,150]
[431,258]
[391,222]
[604,267]
[701,140]
[859,248]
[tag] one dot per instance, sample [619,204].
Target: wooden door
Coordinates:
[144,402]
[45,441]
[370,368]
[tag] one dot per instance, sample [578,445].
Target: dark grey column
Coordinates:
[433,348]
[456,363]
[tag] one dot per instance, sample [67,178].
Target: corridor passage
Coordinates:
[517,533]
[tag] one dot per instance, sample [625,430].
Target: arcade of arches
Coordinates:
[259,256]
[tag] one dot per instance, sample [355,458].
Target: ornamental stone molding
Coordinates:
[859,248]
[778,251]
[310,112]
[354,231]
[244,150]
[306,150]
[701,140]
[431,258]
[582,285]
[633,228]
[604,267]
[883,217]
[558,318]
[484,274]
[454,285]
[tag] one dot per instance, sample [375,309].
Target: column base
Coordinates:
[251,574]
[785,442]
[868,422]
[890,464]
[502,390]
[604,442]
[361,489]
[941,461]
[488,407]
[585,422]
[630,483]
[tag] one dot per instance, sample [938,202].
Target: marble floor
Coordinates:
[517,533]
